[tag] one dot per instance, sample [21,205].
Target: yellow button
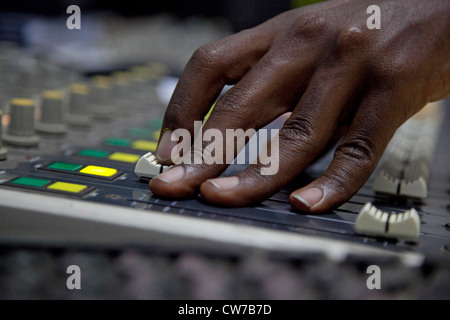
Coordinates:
[144,145]
[124,157]
[99,171]
[67,187]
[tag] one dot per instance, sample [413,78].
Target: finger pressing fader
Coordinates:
[149,167]
[374,222]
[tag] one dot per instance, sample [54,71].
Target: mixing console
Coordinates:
[70,146]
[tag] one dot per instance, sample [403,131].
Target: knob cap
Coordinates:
[21,127]
[52,113]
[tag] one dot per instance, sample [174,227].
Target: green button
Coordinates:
[93,153]
[156,123]
[120,142]
[140,132]
[65,166]
[31,182]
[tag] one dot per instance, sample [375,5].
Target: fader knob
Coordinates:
[79,107]
[149,167]
[401,226]
[3,151]
[21,127]
[52,113]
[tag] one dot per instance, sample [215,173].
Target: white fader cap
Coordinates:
[148,166]
[374,222]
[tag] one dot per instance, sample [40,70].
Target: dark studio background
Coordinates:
[241,14]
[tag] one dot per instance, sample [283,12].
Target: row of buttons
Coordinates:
[143,133]
[83,170]
[144,145]
[66,188]
[114,156]
[51,186]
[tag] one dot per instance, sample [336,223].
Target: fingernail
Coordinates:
[172,176]
[310,197]
[165,146]
[225,184]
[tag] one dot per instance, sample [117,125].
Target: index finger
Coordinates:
[209,69]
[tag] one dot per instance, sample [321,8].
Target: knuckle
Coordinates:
[208,55]
[299,130]
[308,27]
[352,38]
[233,102]
[391,71]
[360,151]
[390,63]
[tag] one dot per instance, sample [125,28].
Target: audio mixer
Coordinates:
[69,150]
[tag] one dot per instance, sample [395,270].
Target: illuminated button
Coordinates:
[64,166]
[144,145]
[67,187]
[124,157]
[30,182]
[119,142]
[99,171]
[93,153]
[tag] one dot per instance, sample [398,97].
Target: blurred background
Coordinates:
[118,33]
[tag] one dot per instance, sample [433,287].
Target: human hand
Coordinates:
[338,78]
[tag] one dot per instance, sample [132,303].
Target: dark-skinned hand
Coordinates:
[340,80]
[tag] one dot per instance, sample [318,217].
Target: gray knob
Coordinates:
[101,94]
[122,95]
[21,127]
[52,113]
[3,151]
[79,107]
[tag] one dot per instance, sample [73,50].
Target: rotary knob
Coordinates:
[79,107]
[21,127]
[101,94]
[52,113]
